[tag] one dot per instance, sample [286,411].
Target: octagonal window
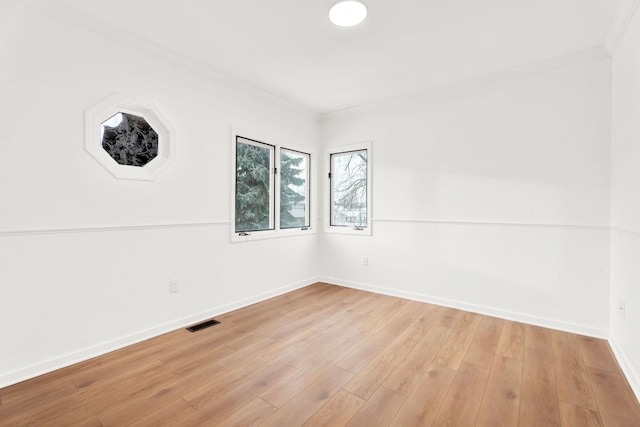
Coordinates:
[129,139]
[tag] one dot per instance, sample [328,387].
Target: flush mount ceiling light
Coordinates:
[347,13]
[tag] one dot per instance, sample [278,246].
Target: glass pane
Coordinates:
[129,140]
[349,189]
[294,189]
[254,186]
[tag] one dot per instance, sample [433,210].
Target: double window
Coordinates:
[272,191]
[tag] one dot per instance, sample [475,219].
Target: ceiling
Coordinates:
[289,49]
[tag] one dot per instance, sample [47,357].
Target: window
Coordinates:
[349,189]
[254,185]
[271,190]
[294,189]
[130,138]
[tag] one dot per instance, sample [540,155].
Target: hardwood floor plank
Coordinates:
[104,395]
[337,412]
[215,387]
[252,414]
[539,398]
[164,415]
[345,316]
[293,325]
[18,401]
[596,353]
[197,357]
[298,410]
[364,353]
[462,402]
[485,342]
[406,375]
[334,345]
[230,399]
[379,410]
[449,317]
[373,346]
[288,387]
[399,316]
[571,376]
[90,422]
[427,316]
[537,338]
[367,381]
[148,350]
[501,403]
[617,403]
[422,405]
[386,307]
[91,401]
[146,402]
[511,342]
[457,343]
[571,415]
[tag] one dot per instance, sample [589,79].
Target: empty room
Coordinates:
[320,213]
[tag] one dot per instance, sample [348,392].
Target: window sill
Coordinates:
[365,231]
[271,234]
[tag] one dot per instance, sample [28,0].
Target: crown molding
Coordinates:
[72,17]
[557,62]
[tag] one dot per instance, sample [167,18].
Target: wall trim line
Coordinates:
[96,229]
[495,223]
[67,230]
[625,231]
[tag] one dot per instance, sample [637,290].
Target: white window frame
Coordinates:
[276,232]
[328,208]
[272,181]
[299,151]
[96,115]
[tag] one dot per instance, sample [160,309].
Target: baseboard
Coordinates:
[627,367]
[475,308]
[69,359]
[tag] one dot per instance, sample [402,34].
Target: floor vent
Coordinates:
[203,325]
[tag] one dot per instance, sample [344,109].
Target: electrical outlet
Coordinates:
[622,308]
[173,286]
[365,261]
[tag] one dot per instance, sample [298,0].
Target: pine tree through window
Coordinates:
[268,176]
[294,189]
[254,185]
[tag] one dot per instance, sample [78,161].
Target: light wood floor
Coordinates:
[332,356]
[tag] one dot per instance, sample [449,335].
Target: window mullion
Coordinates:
[276,173]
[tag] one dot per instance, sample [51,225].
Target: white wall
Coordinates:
[85,258]
[625,203]
[490,195]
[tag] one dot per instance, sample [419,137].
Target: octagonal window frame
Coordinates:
[99,113]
